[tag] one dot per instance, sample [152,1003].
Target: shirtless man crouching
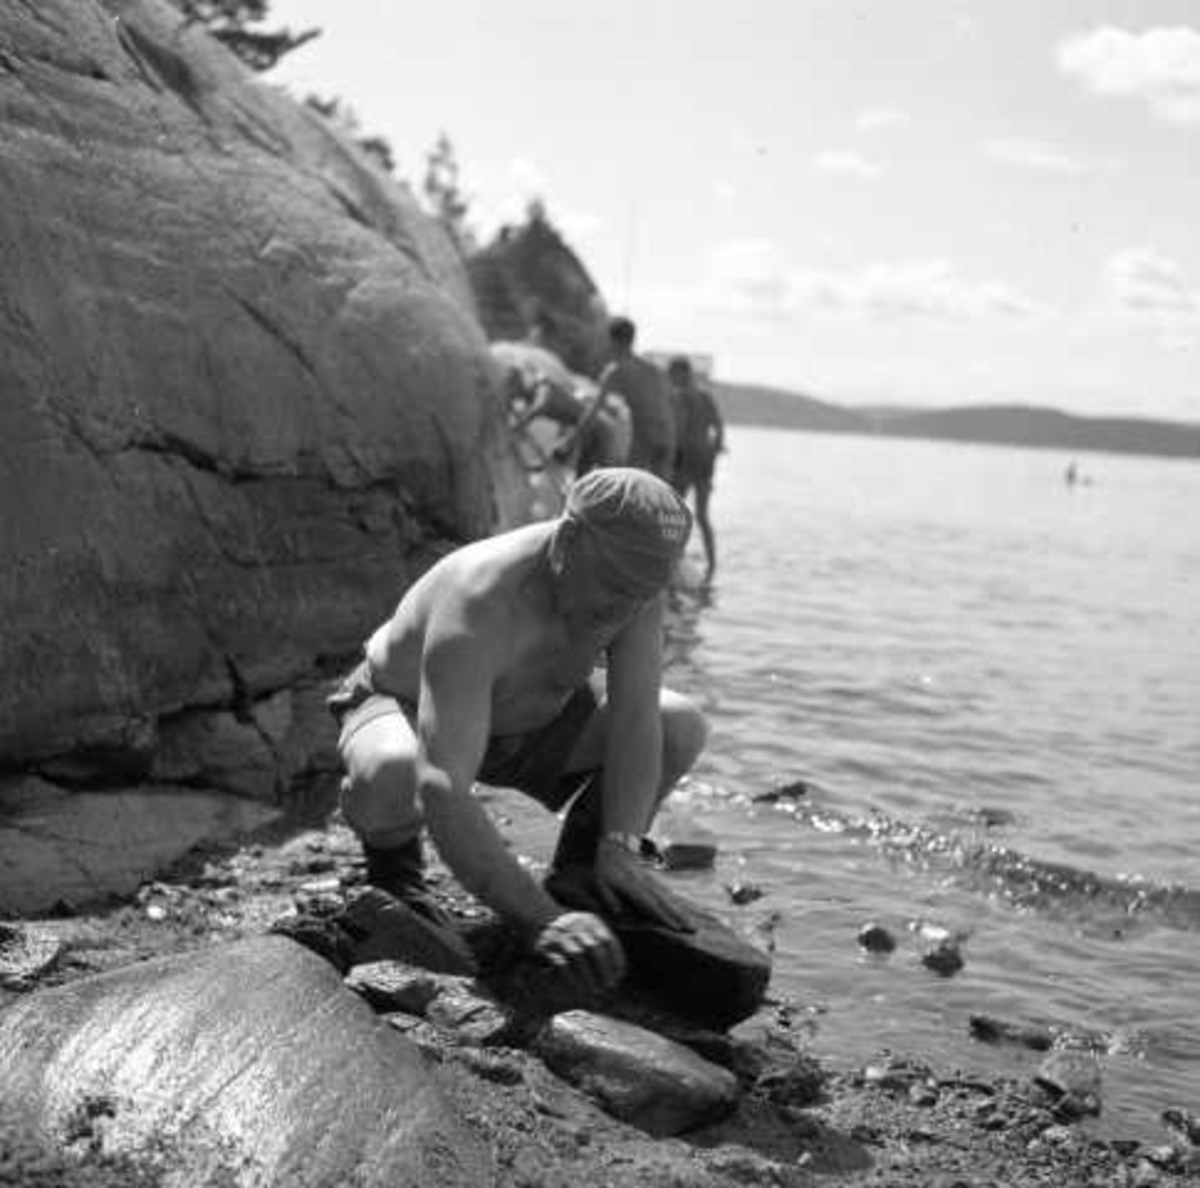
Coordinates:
[485,672]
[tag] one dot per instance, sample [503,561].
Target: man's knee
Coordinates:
[379,792]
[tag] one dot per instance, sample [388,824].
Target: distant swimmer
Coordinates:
[1073,478]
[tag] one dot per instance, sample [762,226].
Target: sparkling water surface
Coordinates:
[989,683]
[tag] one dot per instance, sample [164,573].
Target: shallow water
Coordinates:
[990,684]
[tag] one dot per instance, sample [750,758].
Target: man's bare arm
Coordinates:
[633,767]
[633,755]
[455,714]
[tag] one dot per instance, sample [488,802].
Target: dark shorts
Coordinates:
[534,761]
[694,469]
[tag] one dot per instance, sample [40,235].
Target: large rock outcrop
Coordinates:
[246,1064]
[244,399]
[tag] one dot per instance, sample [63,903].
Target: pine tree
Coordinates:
[228,21]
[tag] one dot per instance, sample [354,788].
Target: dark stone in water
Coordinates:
[876,939]
[998,1031]
[944,959]
[793,791]
[709,975]
[743,893]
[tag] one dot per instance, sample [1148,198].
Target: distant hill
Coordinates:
[1019,425]
[753,404]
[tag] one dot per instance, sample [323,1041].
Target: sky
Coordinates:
[900,202]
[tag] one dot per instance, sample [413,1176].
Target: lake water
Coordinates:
[989,683]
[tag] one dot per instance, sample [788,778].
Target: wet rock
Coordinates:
[681,843]
[744,1051]
[26,952]
[1183,1123]
[473,1017]
[240,1063]
[743,893]
[876,939]
[990,1030]
[940,948]
[382,928]
[1073,1081]
[945,959]
[785,792]
[636,1075]
[709,975]
[394,986]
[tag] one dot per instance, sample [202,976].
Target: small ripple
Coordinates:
[1103,904]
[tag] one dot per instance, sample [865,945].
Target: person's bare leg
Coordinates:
[684,732]
[703,491]
[379,803]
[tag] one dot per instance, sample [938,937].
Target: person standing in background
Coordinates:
[700,437]
[643,388]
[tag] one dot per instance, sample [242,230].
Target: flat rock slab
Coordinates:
[242,1064]
[709,975]
[636,1075]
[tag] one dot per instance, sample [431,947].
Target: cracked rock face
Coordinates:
[244,397]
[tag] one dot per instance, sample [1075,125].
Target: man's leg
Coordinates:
[703,491]
[379,802]
[684,732]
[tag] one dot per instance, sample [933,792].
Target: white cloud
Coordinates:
[749,277]
[1145,286]
[930,290]
[851,164]
[1019,153]
[1160,65]
[752,279]
[876,119]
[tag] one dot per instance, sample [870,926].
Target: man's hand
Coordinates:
[582,948]
[623,881]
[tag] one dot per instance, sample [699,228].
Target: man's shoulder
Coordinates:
[481,574]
